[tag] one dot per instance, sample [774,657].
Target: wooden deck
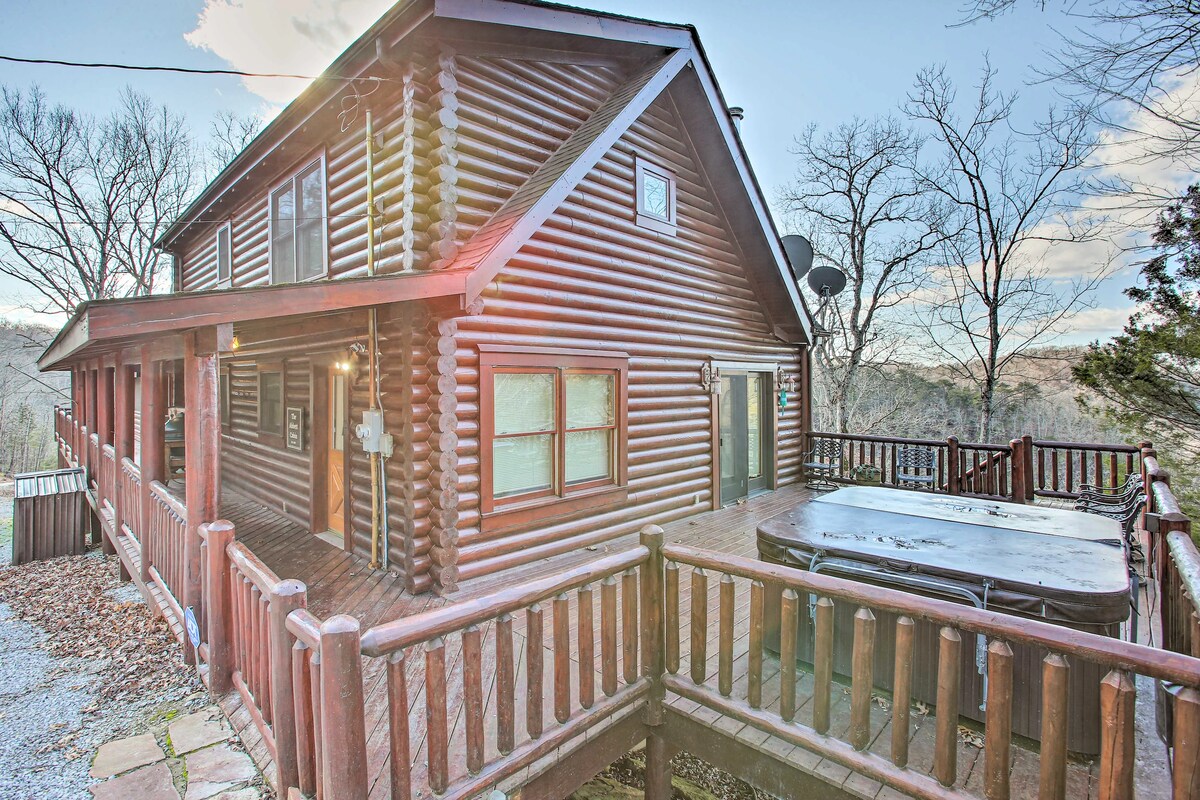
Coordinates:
[341,583]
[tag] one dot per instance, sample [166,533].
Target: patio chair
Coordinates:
[1119,495]
[916,466]
[821,463]
[1126,514]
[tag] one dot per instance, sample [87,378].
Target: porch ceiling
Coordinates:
[99,328]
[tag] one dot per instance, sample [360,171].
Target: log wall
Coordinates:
[592,279]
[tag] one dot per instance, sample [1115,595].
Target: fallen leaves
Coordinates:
[134,652]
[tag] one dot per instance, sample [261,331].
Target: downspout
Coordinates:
[373,336]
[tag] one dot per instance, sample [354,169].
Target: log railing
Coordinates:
[93,462]
[1018,471]
[129,498]
[108,475]
[800,712]
[168,523]
[1175,558]
[1060,468]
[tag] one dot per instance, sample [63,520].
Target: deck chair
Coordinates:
[916,467]
[821,463]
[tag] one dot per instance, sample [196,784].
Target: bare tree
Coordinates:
[858,197]
[1128,54]
[997,298]
[82,199]
[229,134]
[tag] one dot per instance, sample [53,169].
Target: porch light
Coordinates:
[235,344]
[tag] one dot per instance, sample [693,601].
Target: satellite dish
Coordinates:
[799,254]
[826,281]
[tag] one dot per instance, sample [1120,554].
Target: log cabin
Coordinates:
[499,285]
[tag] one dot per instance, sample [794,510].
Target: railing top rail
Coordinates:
[994,448]
[389,637]
[253,568]
[95,437]
[866,437]
[164,495]
[1116,448]
[109,450]
[1111,653]
[130,466]
[306,627]
[1187,562]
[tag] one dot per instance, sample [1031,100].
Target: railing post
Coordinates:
[202,446]
[343,727]
[1027,446]
[151,423]
[653,602]
[953,474]
[218,602]
[287,596]
[1019,476]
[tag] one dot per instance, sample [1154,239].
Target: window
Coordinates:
[224,255]
[553,431]
[270,400]
[298,227]
[655,189]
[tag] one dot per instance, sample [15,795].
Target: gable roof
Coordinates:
[661,56]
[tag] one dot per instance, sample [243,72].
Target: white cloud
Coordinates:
[300,37]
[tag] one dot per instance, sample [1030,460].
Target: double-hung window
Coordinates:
[298,226]
[553,430]
[270,401]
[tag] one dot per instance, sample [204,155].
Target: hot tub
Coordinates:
[1063,567]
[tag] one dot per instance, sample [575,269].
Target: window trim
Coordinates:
[317,160]
[523,509]
[266,367]
[226,281]
[644,218]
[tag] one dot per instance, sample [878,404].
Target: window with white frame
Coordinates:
[224,255]
[298,227]
[655,190]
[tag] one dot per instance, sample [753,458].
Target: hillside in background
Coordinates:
[933,402]
[27,400]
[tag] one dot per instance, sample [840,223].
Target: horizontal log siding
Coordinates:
[592,279]
[511,118]
[272,474]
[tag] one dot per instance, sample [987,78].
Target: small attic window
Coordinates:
[655,188]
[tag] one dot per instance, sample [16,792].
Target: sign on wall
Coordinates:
[295,428]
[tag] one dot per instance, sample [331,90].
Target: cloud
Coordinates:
[299,37]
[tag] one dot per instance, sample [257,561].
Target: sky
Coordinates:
[789,64]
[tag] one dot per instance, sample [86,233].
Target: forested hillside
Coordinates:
[27,400]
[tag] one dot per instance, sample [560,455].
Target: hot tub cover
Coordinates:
[1052,576]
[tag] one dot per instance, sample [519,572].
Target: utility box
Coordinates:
[50,515]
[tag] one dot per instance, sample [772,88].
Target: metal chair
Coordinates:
[1126,514]
[915,466]
[821,463]
[1120,495]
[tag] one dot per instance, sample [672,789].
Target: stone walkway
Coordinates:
[195,757]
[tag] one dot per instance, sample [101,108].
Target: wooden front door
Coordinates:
[336,472]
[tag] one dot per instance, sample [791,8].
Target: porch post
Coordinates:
[151,461]
[104,403]
[202,462]
[122,447]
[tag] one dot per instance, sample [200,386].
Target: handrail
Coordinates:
[1109,652]
[867,437]
[389,637]
[160,491]
[306,627]
[253,568]
[1118,448]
